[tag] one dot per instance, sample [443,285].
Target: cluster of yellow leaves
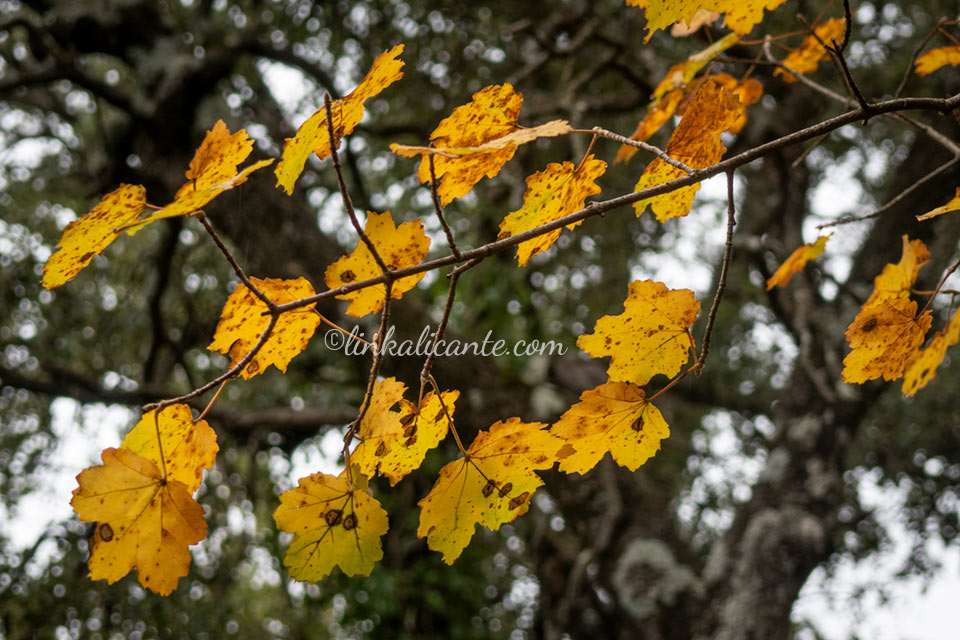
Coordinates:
[476,140]
[807,57]
[740,16]
[796,262]
[936,59]
[313,135]
[146,516]
[399,247]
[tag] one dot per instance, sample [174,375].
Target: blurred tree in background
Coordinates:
[759,482]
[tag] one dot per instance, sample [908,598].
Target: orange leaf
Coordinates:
[937,58]
[614,417]
[696,142]
[650,337]
[797,261]
[922,368]
[89,235]
[188,447]
[739,16]
[313,136]
[884,337]
[552,193]
[335,522]
[400,247]
[145,521]
[807,57]
[953,205]
[242,323]
[493,484]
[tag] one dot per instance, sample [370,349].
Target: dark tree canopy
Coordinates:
[758,483]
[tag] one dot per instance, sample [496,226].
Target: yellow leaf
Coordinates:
[658,114]
[380,427]
[335,523]
[493,484]
[552,193]
[883,338]
[143,521]
[703,17]
[242,323]
[923,365]
[807,57]
[740,16]
[188,447]
[513,139]
[797,261]
[937,58]
[313,136]
[88,236]
[696,142]
[614,417]
[896,280]
[953,205]
[212,171]
[650,337]
[400,247]
[748,91]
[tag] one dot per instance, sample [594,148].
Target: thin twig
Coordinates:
[453,428]
[439,208]
[441,328]
[722,284]
[657,151]
[913,59]
[949,273]
[271,305]
[212,400]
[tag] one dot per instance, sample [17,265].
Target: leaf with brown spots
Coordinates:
[242,323]
[884,337]
[89,235]
[953,205]
[400,247]
[740,16]
[937,59]
[145,521]
[650,337]
[558,190]
[807,57]
[796,262]
[313,135]
[188,447]
[491,485]
[334,522]
[923,365]
[614,417]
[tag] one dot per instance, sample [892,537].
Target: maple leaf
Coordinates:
[334,523]
[491,485]
[212,171]
[796,262]
[242,323]
[89,235]
[650,337]
[558,190]
[394,443]
[696,142]
[883,338]
[953,205]
[740,16]
[188,447]
[614,417]
[922,367]
[807,57]
[313,135]
[144,521]
[937,58]
[400,247]
[487,125]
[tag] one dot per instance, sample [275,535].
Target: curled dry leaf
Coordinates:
[797,261]
[953,205]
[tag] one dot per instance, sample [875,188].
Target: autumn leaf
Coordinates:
[212,171]
[807,57]
[144,521]
[400,247]
[696,142]
[491,485]
[658,114]
[701,18]
[381,427]
[748,91]
[650,337]
[883,338]
[334,523]
[242,323]
[89,235]
[513,139]
[490,116]
[313,135]
[896,280]
[937,58]
[740,16]
[615,417]
[922,367]
[796,262]
[953,205]
[188,447]
[558,190]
